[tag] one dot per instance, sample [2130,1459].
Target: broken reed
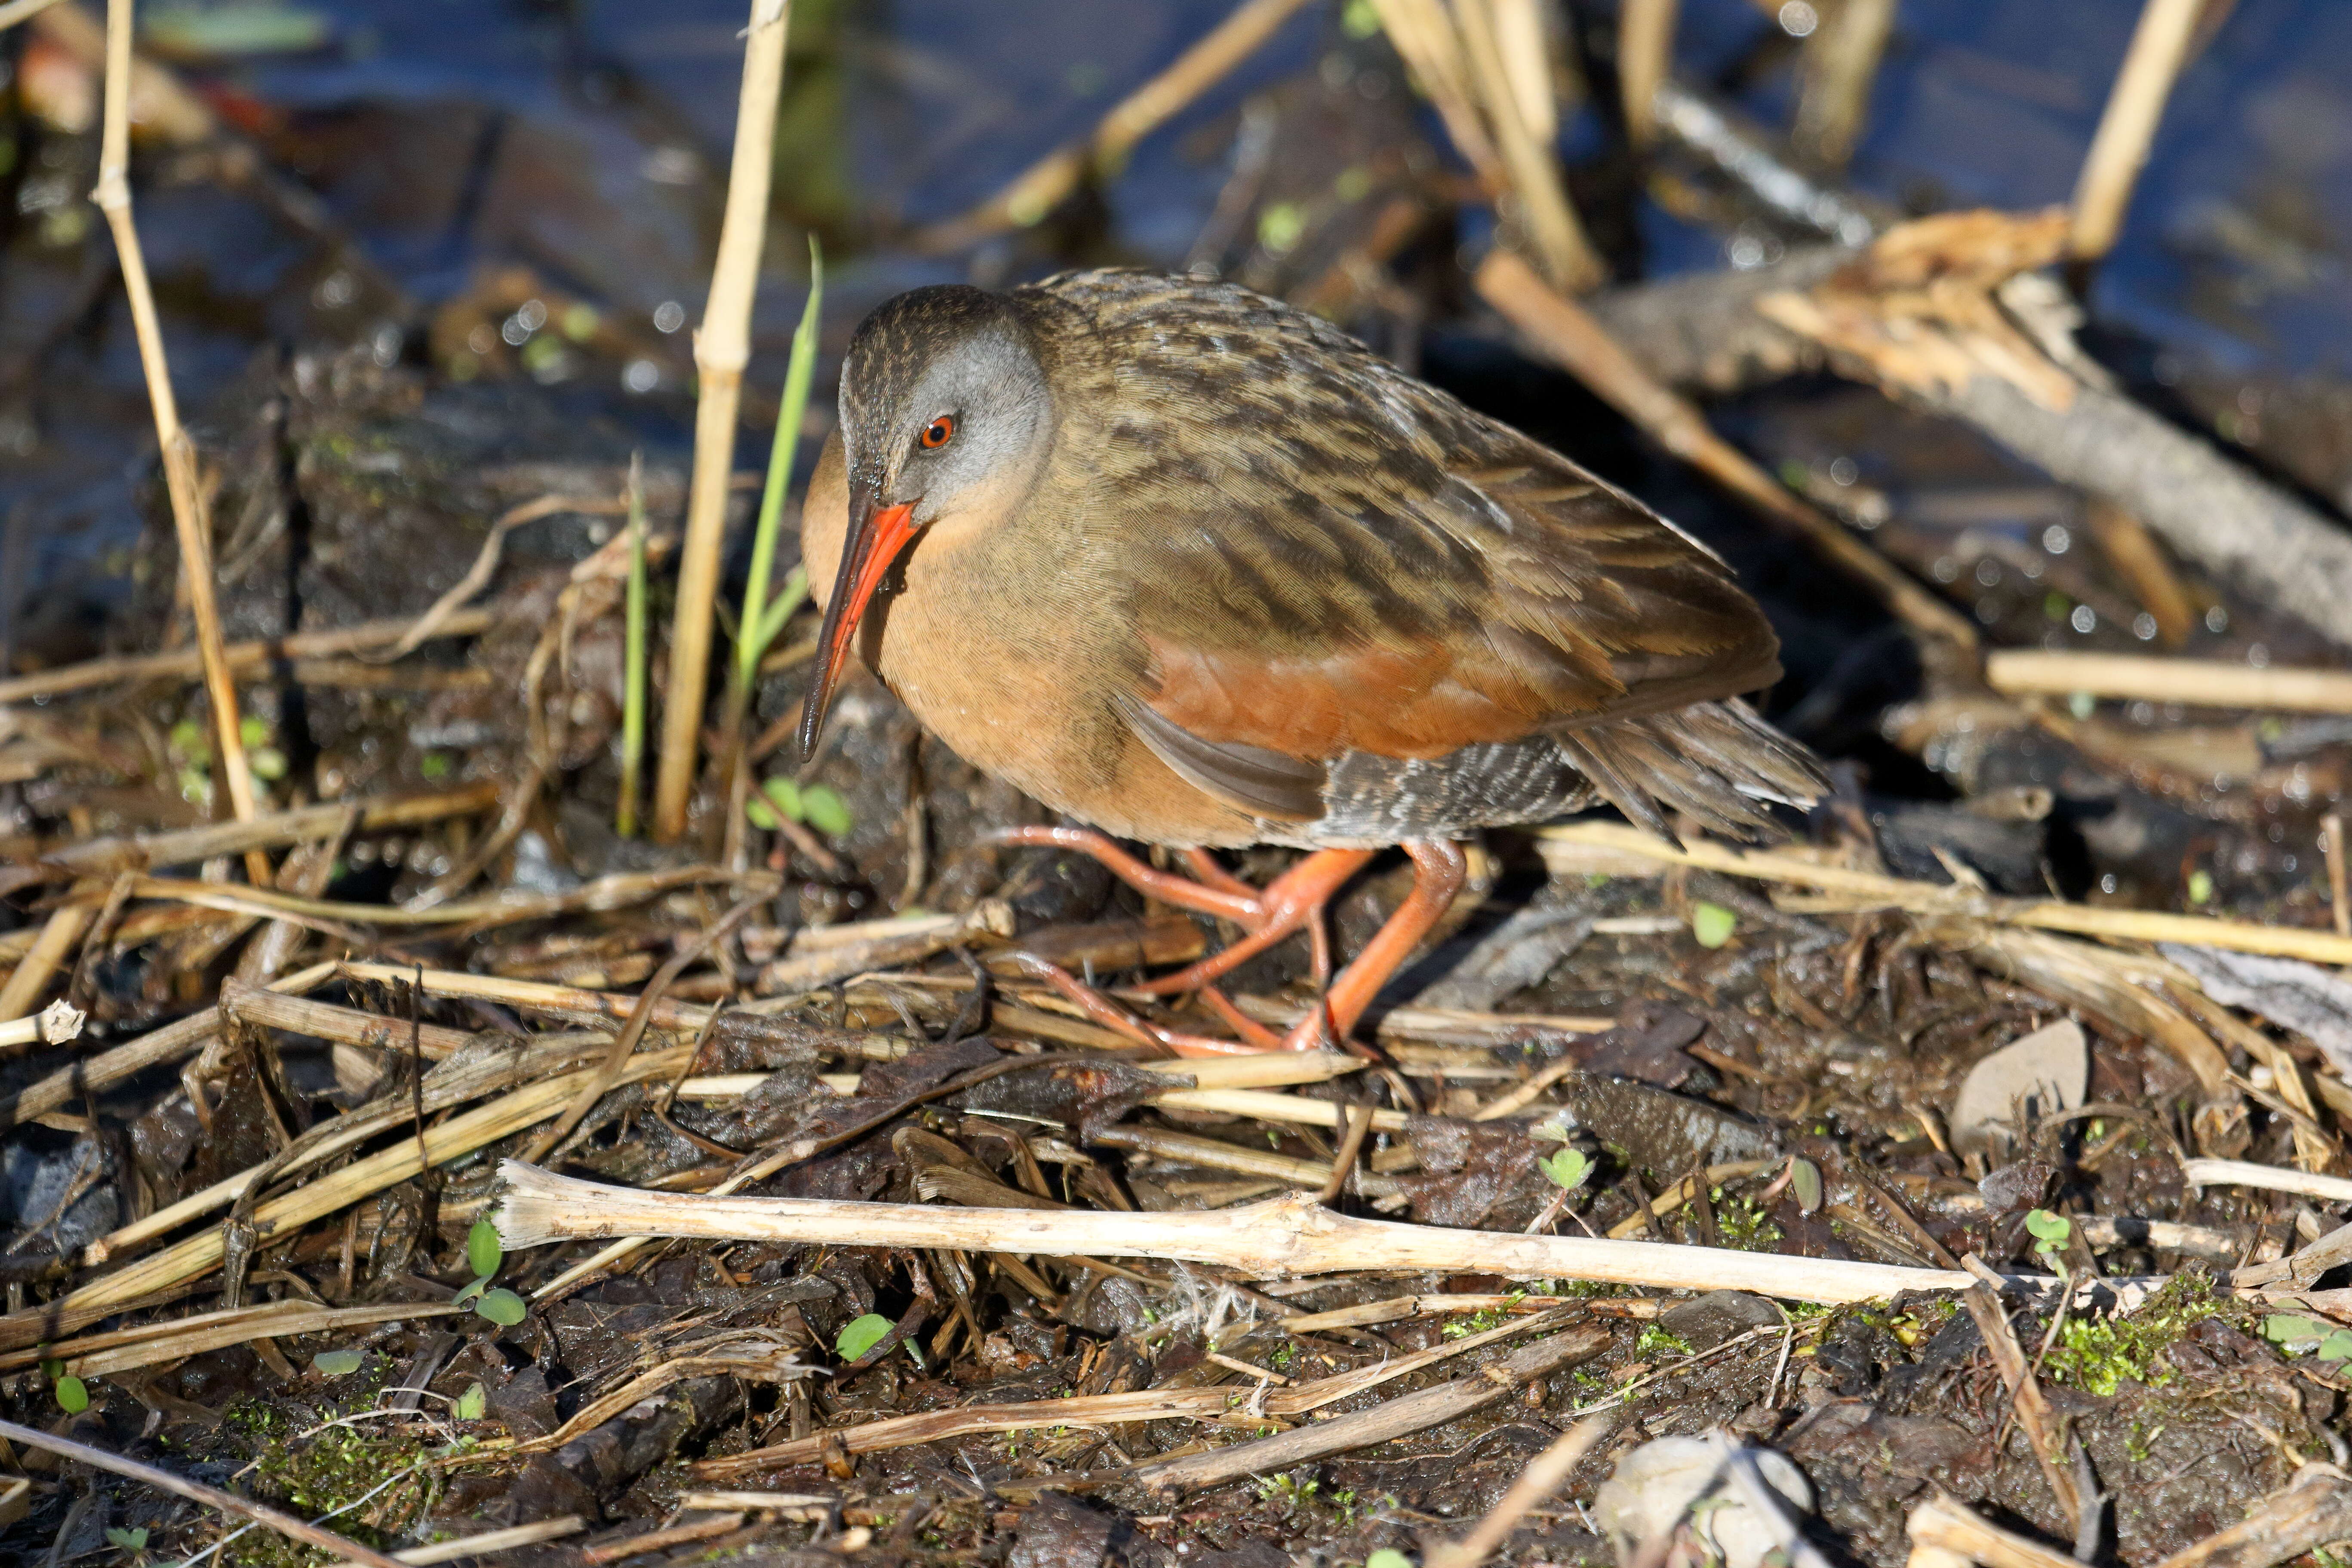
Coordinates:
[721,349]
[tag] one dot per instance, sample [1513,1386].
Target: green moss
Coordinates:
[1657,1343]
[2098,1356]
[331,1471]
[1745,1225]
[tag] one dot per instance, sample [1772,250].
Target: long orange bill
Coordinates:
[875,544]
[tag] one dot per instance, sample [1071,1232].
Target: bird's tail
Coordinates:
[1713,762]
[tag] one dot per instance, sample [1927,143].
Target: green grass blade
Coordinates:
[633,695]
[751,640]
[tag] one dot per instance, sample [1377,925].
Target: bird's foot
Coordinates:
[1254,1037]
[1291,902]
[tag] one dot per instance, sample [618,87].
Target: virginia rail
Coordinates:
[1197,568]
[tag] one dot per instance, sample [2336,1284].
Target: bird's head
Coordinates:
[945,415]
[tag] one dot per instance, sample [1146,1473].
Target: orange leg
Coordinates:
[1440,868]
[1292,900]
[1295,900]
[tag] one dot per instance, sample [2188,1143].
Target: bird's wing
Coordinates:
[1322,556]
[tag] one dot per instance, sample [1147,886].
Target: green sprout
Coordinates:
[1568,1169]
[633,689]
[2051,1232]
[761,621]
[1712,924]
[861,1335]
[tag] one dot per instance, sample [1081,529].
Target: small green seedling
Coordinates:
[2201,887]
[73,1395]
[860,1335]
[780,800]
[2051,1232]
[2295,1332]
[2336,1346]
[1712,924]
[132,1540]
[338,1363]
[473,1401]
[483,1253]
[502,1307]
[1568,1169]
[1388,1557]
[1805,1182]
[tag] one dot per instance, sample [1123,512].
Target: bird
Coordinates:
[1196,568]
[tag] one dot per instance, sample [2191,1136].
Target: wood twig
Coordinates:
[722,347]
[2314,1509]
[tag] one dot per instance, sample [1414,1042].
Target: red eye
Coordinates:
[940,431]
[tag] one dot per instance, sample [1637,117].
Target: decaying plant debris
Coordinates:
[405,1160]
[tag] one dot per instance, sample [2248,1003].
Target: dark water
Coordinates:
[588,142]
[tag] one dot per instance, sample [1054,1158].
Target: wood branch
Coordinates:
[1283,1238]
[1543,1476]
[185,845]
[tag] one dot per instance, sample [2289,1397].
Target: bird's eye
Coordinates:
[938,432]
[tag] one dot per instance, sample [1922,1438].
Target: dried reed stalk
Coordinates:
[2197,683]
[51,952]
[185,845]
[2160,47]
[286,1525]
[1555,236]
[112,198]
[1110,1409]
[1840,65]
[1415,1412]
[1280,1237]
[2267,1178]
[54,1024]
[281,1216]
[17,11]
[1945,1526]
[1868,890]
[721,349]
[1645,54]
[218,1330]
[1046,183]
[1543,1476]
